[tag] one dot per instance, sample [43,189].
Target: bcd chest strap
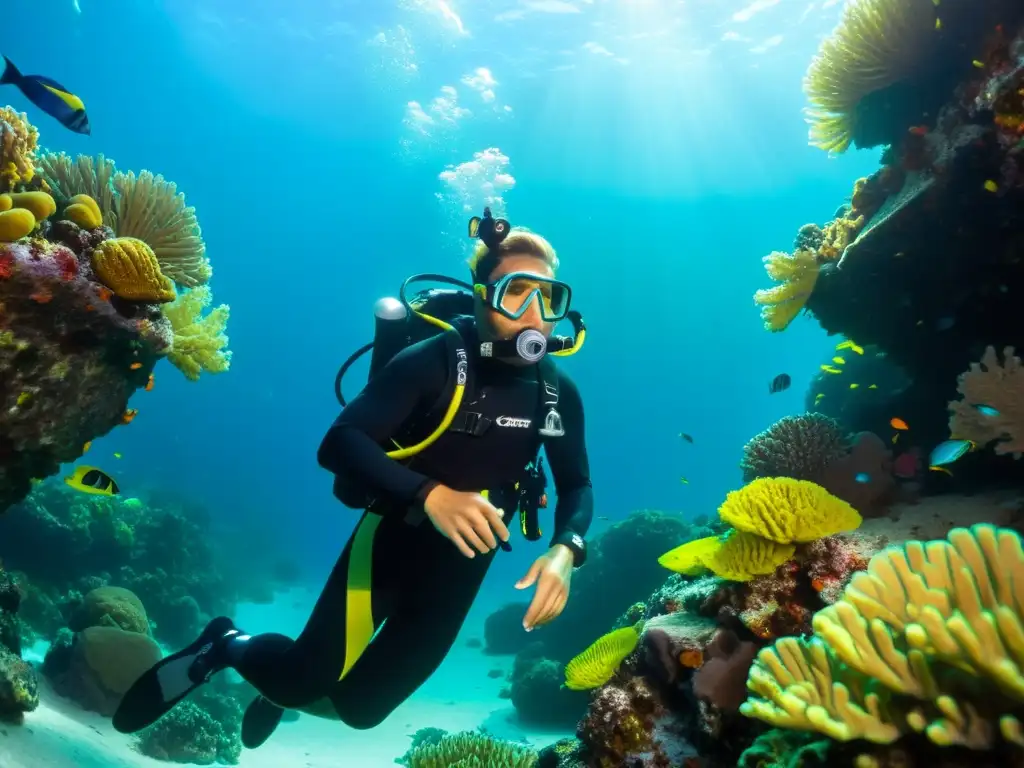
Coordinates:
[475,423]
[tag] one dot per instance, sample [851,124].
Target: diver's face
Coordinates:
[501,327]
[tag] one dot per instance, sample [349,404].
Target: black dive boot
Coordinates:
[261,719]
[174,677]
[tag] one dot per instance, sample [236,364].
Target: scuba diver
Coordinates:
[441,452]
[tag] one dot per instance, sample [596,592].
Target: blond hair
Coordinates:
[519,242]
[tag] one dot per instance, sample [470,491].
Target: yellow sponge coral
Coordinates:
[596,665]
[16,224]
[40,203]
[785,510]
[129,268]
[797,275]
[199,342]
[84,211]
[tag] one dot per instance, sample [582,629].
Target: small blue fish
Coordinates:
[863,477]
[49,95]
[986,410]
[949,451]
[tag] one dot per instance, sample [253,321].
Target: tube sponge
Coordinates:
[16,224]
[199,341]
[785,510]
[84,211]
[40,203]
[992,408]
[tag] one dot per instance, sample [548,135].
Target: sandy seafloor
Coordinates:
[459,696]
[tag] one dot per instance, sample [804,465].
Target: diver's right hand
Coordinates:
[465,518]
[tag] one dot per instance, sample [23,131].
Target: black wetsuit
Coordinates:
[421,584]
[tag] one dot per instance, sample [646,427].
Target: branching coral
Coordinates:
[797,275]
[800,447]
[18,142]
[930,640]
[992,408]
[199,341]
[151,208]
[876,44]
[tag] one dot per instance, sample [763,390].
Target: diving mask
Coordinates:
[512,294]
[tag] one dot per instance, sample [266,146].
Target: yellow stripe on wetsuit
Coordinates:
[359,627]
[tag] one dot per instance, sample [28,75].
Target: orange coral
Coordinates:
[992,408]
[18,142]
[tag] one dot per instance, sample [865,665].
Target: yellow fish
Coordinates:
[92,480]
[684,481]
[830,369]
[873,386]
[853,347]
[854,386]
[839,360]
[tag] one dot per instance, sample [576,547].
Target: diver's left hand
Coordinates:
[551,573]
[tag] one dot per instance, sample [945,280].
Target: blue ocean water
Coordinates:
[659,145]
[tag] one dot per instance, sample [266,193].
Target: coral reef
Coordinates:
[503,630]
[205,729]
[538,692]
[926,641]
[932,278]
[160,550]
[19,689]
[891,64]
[81,326]
[855,468]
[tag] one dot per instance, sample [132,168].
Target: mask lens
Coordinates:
[520,291]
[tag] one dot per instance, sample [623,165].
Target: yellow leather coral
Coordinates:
[596,665]
[930,640]
[744,556]
[128,267]
[18,142]
[84,211]
[16,224]
[785,510]
[199,342]
[797,275]
[40,204]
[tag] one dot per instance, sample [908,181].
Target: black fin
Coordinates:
[261,719]
[147,701]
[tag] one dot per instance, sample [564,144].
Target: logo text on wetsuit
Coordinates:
[461,367]
[509,421]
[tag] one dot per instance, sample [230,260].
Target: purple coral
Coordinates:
[800,447]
